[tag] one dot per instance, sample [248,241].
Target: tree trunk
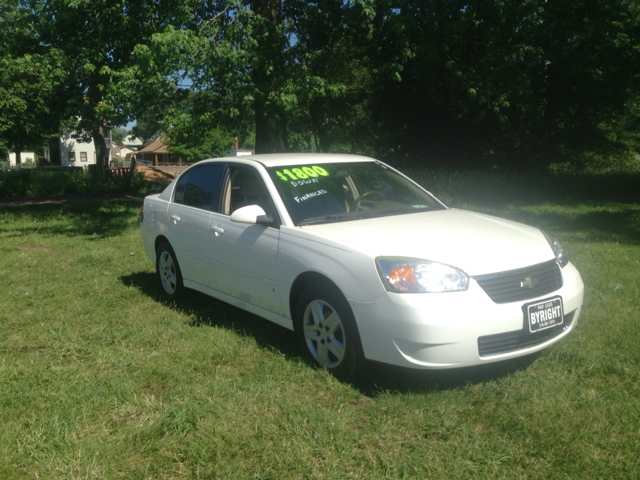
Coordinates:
[271,131]
[18,152]
[268,71]
[101,149]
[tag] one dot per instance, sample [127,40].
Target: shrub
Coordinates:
[65,181]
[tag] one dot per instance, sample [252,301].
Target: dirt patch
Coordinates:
[154,175]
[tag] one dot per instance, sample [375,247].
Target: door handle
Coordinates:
[217,230]
[175,218]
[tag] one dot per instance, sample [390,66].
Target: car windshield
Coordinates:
[336,192]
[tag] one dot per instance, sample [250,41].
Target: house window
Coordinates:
[83,156]
[72,157]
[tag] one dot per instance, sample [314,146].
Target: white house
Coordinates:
[124,151]
[67,151]
[132,142]
[239,152]
[25,157]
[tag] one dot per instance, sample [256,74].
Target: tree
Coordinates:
[192,130]
[147,125]
[118,135]
[238,63]
[262,63]
[33,81]
[99,38]
[268,75]
[592,81]
[332,50]
[515,83]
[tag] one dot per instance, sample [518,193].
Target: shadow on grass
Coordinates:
[93,218]
[377,377]
[205,310]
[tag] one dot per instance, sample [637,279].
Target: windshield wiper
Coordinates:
[398,211]
[361,216]
[324,219]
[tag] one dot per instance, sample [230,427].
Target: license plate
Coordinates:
[544,314]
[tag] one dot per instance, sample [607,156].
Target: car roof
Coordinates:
[287,159]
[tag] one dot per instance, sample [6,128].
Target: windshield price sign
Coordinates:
[302,173]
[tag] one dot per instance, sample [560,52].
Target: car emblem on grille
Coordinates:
[529,282]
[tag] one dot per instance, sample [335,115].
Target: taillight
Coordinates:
[142,212]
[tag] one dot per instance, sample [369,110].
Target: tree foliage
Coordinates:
[87,49]
[194,133]
[33,82]
[518,83]
[100,37]
[118,135]
[508,82]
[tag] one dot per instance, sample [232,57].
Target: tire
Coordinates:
[326,331]
[168,272]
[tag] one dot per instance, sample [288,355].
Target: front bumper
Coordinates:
[437,331]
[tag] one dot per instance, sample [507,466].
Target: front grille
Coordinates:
[523,283]
[520,339]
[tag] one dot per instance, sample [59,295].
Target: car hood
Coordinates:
[476,243]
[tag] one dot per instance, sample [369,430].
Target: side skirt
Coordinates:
[249,307]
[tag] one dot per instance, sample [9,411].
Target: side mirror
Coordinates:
[253,215]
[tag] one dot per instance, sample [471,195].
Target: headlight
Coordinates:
[558,249]
[411,275]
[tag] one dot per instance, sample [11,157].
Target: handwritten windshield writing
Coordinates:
[309,195]
[304,182]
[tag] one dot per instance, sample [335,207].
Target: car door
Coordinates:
[196,196]
[246,254]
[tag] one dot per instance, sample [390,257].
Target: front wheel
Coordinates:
[169,271]
[327,331]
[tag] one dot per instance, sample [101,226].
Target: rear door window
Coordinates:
[178,192]
[202,189]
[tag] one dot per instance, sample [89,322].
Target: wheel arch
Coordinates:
[301,283]
[354,361]
[158,241]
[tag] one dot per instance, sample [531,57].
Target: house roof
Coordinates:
[130,140]
[157,146]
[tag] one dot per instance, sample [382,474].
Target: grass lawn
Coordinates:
[100,378]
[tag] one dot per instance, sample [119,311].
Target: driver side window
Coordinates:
[245,187]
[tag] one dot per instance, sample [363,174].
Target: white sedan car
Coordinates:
[361,262]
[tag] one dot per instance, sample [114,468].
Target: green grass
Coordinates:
[100,378]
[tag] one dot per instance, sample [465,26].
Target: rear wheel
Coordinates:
[327,331]
[169,271]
